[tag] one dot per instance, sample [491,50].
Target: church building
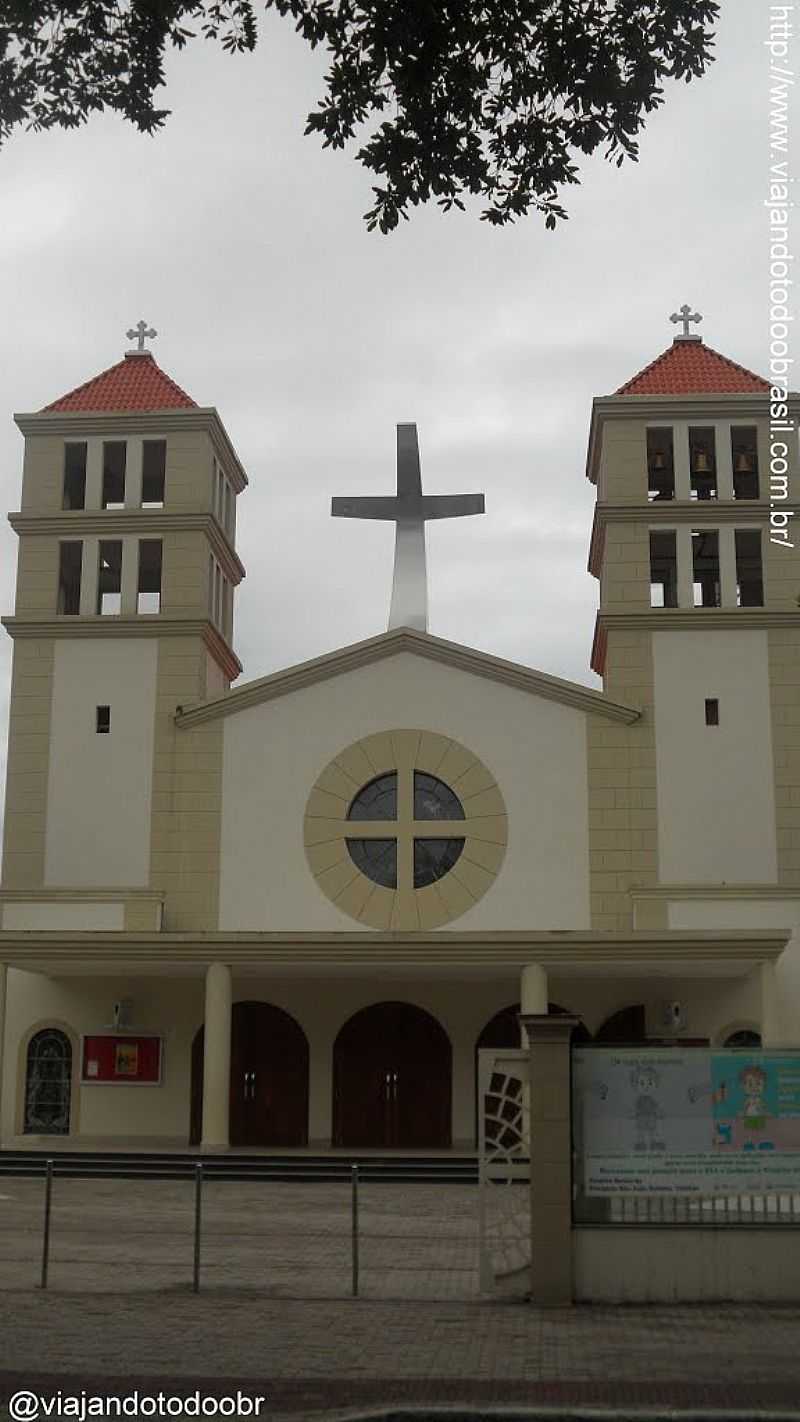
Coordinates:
[287,912]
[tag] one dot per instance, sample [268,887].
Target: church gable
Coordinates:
[421,644]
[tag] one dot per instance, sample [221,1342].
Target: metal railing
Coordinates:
[202,1231]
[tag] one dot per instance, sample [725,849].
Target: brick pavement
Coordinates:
[132,1317]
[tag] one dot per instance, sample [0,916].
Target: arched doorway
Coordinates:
[626,1027]
[269,1078]
[744,1037]
[392,1074]
[48,1083]
[502,1032]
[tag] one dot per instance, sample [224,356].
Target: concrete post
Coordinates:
[680,455]
[3,986]
[89,571]
[685,557]
[133,472]
[727,566]
[551,1158]
[724,452]
[129,581]
[217,1057]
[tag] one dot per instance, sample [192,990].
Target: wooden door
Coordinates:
[268,1081]
[392,1073]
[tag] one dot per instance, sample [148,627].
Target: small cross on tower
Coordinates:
[140,333]
[685,314]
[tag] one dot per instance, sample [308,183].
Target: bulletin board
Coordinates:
[121,1059]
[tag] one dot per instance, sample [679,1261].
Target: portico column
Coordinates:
[217,1057]
[3,986]
[771,1034]
[551,1163]
[532,994]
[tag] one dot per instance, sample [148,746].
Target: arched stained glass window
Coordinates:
[48,1083]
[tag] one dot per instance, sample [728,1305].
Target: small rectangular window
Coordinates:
[660,465]
[705,567]
[663,569]
[712,711]
[109,577]
[103,721]
[70,559]
[702,463]
[148,593]
[74,476]
[114,455]
[744,453]
[749,571]
[154,465]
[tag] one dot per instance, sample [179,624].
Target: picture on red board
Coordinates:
[126,1059]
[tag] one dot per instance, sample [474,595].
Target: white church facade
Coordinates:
[286,913]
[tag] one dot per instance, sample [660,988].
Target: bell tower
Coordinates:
[126,576]
[698,620]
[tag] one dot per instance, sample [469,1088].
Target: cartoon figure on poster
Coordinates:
[647,1113]
[742,1113]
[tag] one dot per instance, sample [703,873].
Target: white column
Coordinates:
[217,1057]
[133,472]
[771,1034]
[129,585]
[3,987]
[88,602]
[532,993]
[683,549]
[727,566]
[680,454]
[320,1105]
[533,989]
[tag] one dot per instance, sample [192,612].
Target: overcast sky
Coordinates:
[243,243]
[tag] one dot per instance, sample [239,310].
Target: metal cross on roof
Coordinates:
[409,509]
[140,333]
[685,314]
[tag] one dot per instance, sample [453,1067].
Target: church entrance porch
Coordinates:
[392,1080]
[268,1078]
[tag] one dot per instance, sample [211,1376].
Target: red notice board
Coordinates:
[122,1059]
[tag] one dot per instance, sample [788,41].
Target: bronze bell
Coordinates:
[657,462]
[743,463]
[701,461]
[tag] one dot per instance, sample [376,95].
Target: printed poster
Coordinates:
[672,1122]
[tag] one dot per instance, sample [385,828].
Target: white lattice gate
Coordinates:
[505,1166]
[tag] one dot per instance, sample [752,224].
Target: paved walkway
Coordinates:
[308,1356]
[120,1313]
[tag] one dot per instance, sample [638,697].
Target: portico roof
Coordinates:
[438,953]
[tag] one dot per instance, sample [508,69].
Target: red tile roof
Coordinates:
[135,383]
[692,368]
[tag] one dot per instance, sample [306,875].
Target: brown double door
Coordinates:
[392,1068]
[269,1078]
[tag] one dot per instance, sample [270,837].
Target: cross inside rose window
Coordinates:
[408,826]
